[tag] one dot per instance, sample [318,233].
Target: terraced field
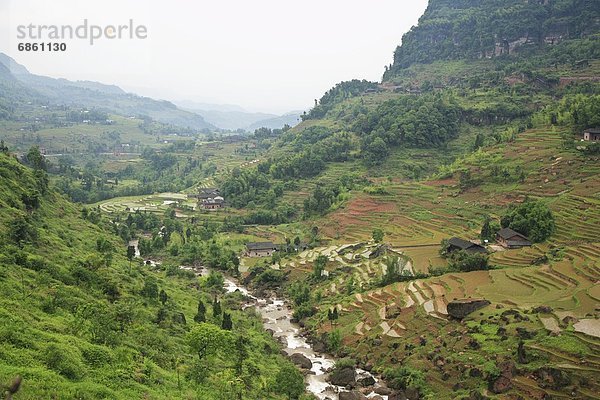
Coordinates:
[562,274]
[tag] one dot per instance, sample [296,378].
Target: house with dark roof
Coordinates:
[260,249]
[205,193]
[456,244]
[592,135]
[511,239]
[213,203]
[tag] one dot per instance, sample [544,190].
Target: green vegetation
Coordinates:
[79,322]
[533,219]
[475,127]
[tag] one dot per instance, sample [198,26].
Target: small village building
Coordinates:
[261,249]
[213,203]
[205,194]
[592,135]
[511,239]
[456,244]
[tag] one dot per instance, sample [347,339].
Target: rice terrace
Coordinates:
[431,233]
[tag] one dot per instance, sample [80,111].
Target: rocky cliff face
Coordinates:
[469,29]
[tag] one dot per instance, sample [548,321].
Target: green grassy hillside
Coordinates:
[78,320]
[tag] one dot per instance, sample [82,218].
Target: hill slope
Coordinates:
[108,98]
[77,320]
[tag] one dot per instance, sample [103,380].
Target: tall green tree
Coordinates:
[378,235]
[227,324]
[201,313]
[216,308]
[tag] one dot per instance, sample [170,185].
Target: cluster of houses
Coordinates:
[505,237]
[267,249]
[209,198]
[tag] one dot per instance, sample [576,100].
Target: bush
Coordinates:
[532,219]
[66,360]
[464,261]
[402,378]
[344,363]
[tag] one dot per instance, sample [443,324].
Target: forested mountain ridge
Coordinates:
[472,29]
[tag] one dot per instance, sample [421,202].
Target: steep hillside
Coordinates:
[473,29]
[78,320]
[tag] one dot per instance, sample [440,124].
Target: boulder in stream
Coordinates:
[301,360]
[353,395]
[343,376]
[366,381]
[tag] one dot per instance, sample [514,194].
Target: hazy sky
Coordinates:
[265,55]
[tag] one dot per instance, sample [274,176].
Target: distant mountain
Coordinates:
[196,105]
[292,119]
[96,95]
[232,117]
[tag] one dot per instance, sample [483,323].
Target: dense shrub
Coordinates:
[533,219]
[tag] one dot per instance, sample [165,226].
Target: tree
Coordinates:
[319,266]
[206,339]
[35,159]
[162,296]
[394,270]
[241,343]
[289,381]
[533,219]
[216,307]
[227,324]
[201,314]
[378,235]
[334,340]
[489,229]
[22,230]
[130,254]
[150,289]
[464,261]
[478,141]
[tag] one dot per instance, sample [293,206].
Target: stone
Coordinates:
[503,382]
[552,378]
[301,360]
[319,347]
[383,390]
[366,381]
[459,309]
[412,394]
[353,395]
[523,333]
[343,377]
[542,310]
